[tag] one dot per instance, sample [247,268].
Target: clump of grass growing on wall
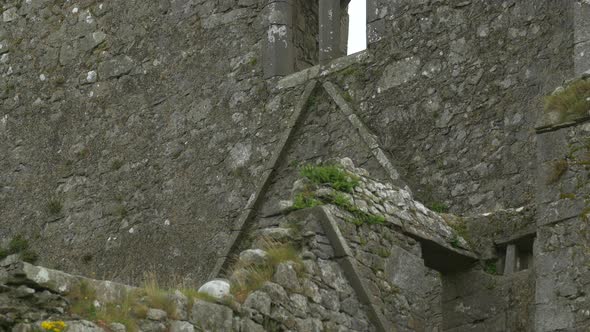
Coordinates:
[571,102]
[439,207]
[19,245]
[491,268]
[54,206]
[156,297]
[330,175]
[461,231]
[305,200]
[254,276]
[558,169]
[127,310]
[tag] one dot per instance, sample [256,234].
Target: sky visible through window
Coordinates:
[357,40]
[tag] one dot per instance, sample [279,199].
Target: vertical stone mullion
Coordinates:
[278,59]
[581,37]
[511,259]
[329,18]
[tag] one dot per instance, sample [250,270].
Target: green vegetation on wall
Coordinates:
[570,103]
[330,175]
[343,183]
[19,245]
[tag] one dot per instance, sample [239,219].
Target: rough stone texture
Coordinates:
[217,289]
[111,101]
[478,301]
[211,316]
[134,133]
[562,247]
[455,100]
[169,92]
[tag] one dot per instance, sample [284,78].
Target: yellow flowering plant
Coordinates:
[54,326]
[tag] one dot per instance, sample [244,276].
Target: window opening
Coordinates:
[357,29]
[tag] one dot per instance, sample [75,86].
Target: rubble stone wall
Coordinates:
[134,133]
[455,89]
[562,247]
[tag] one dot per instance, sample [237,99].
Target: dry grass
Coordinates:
[558,169]
[83,303]
[156,297]
[254,277]
[127,310]
[572,102]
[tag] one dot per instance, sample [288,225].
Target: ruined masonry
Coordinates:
[186,138]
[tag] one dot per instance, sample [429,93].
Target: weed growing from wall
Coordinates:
[19,245]
[558,169]
[131,307]
[330,175]
[439,207]
[54,206]
[572,102]
[343,183]
[253,277]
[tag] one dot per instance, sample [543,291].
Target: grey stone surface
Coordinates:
[217,289]
[329,31]
[286,276]
[118,327]
[83,326]
[254,257]
[134,133]
[180,326]
[211,316]
[156,314]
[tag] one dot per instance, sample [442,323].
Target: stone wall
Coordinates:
[407,292]
[134,133]
[562,248]
[131,130]
[396,260]
[306,31]
[453,99]
[474,300]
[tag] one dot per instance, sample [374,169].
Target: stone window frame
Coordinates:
[278,48]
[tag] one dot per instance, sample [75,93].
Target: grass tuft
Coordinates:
[19,245]
[156,297]
[558,169]
[305,200]
[54,206]
[491,268]
[572,102]
[439,207]
[29,256]
[330,175]
[254,277]
[132,307]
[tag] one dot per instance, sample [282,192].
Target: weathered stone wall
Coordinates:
[453,98]
[407,292]
[306,30]
[139,123]
[562,248]
[478,301]
[389,258]
[133,133]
